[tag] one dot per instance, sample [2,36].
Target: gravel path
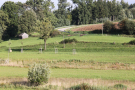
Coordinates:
[63,29]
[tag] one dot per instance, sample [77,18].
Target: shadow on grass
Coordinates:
[25,83]
[19,50]
[22,83]
[12,39]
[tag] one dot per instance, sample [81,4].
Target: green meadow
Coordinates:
[107,57]
[87,38]
[16,72]
[89,47]
[123,57]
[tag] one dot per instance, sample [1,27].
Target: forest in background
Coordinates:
[17,17]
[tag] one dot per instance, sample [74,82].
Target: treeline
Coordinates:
[92,11]
[125,26]
[16,18]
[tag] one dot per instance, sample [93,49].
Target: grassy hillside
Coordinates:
[94,47]
[97,57]
[86,38]
[28,41]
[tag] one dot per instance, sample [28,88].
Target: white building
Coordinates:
[23,35]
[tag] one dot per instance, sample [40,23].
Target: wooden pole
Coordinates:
[63,41]
[102,27]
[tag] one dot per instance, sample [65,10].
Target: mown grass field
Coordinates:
[16,72]
[86,38]
[106,57]
[90,47]
[123,57]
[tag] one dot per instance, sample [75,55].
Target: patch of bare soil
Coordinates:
[93,27]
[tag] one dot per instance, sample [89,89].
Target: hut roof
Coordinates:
[22,34]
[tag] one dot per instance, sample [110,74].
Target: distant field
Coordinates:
[12,72]
[91,47]
[29,41]
[100,38]
[124,57]
[86,38]
[106,57]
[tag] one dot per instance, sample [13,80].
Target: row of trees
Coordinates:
[126,26]
[16,18]
[88,11]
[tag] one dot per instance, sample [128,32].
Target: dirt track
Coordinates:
[63,29]
[93,27]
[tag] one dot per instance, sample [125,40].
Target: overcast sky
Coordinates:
[56,1]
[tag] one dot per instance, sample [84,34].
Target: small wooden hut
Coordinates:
[23,35]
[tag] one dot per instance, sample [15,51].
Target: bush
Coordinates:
[54,33]
[120,86]
[132,42]
[83,86]
[69,40]
[122,25]
[108,25]
[96,31]
[127,26]
[38,73]
[35,34]
[130,27]
[82,32]
[70,32]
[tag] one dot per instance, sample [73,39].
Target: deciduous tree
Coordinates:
[3,23]
[44,27]
[27,22]
[11,9]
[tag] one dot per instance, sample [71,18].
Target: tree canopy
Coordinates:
[44,27]
[27,21]
[22,17]
[11,9]
[3,23]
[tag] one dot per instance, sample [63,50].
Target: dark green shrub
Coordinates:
[127,26]
[97,31]
[68,40]
[132,42]
[35,34]
[54,33]
[38,73]
[82,32]
[130,27]
[122,25]
[108,25]
[83,86]
[120,86]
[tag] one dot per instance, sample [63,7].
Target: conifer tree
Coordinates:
[62,13]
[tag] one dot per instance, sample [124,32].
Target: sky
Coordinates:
[56,1]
